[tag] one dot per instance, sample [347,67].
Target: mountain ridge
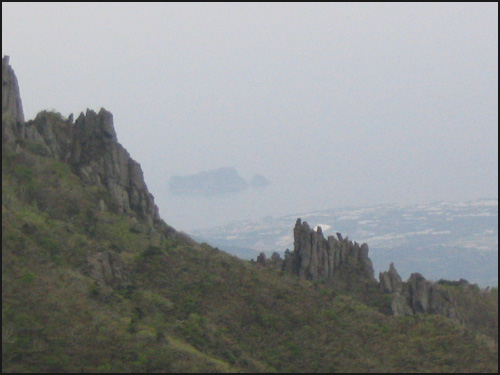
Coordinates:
[89,145]
[94,280]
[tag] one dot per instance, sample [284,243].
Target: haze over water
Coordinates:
[337,104]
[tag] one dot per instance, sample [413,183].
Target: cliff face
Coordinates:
[89,145]
[98,158]
[12,107]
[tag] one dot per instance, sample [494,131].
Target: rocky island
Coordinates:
[214,182]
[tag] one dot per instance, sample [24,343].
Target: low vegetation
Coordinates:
[85,289]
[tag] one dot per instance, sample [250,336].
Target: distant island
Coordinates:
[214,182]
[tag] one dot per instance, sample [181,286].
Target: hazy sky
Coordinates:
[336,104]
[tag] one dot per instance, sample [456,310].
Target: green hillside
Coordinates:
[95,282]
[86,289]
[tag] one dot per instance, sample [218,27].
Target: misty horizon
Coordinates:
[336,104]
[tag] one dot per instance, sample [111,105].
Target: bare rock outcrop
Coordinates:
[107,269]
[12,107]
[98,158]
[417,295]
[52,133]
[391,283]
[346,263]
[315,257]
[89,145]
[430,298]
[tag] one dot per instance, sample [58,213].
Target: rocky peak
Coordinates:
[92,126]
[390,281]
[315,257]
[12,106]
[98,158]
[89,145]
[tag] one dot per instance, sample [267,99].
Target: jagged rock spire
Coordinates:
[98,158]
[315,257]
[12,106]
[90,145]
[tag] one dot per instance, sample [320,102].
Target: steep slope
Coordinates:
[94,281]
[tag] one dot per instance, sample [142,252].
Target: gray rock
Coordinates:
[107,269]
[302,248]
[99,159]
[89,145]
[417,295]
[51,130]
[12,106]
[390,281]
[315,257]
[419,289]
